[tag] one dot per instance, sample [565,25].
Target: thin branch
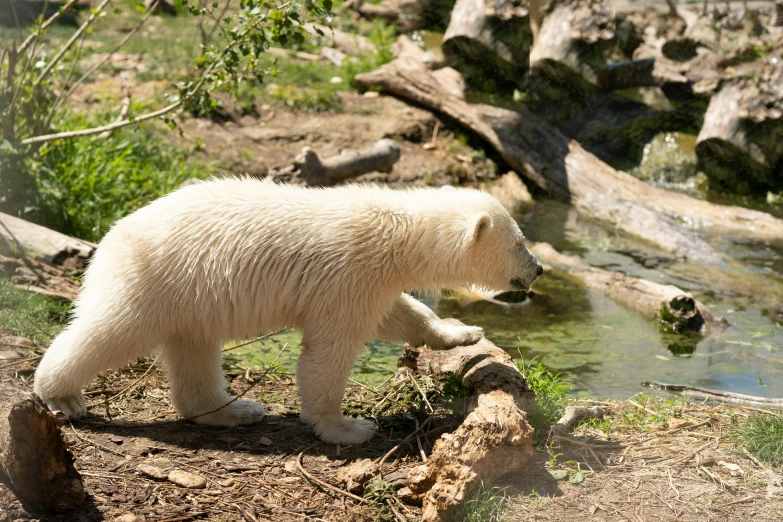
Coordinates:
[108,56]
[34,36]
[320,482]
[149,116]
[398,446]
[95,12]
[259,338]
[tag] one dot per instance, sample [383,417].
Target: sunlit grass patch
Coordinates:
[761,435]
[550,391]
[30,315]
[487,505]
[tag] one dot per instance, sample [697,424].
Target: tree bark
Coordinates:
[35,462]
[495,437]
[544,156]
[20,238]
[739,143]
[309,169]
[665,303]
[488,39]
[566,31]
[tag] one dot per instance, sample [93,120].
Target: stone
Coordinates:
[151,471]
[187,480]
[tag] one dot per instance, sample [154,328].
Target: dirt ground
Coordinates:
[635,466]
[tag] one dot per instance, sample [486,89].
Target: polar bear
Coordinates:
[234,257]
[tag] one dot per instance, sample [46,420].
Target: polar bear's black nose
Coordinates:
[540,270]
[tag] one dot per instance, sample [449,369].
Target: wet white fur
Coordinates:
[234,257]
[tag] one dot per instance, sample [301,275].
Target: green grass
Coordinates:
[30,315]
[761,435]
[487,505]
[83,186]
[550,391]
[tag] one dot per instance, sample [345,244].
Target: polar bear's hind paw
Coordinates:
[72,407]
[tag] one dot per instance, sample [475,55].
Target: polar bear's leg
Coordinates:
[412,321]
[198,387]
[81,351]
[322,375]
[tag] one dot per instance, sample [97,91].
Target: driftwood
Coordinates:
[309,169]
[20,238]
[572,416]
[544,156]
[565,32]
[679,310]
[35,462]
[707,394]
[495,437]
[488,38]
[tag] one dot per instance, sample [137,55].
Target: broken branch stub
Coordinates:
[35,462]
[495,437]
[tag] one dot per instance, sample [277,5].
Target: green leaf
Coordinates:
[577,477]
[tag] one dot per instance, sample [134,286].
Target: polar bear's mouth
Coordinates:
[517,284]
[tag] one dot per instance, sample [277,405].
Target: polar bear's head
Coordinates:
[495,255]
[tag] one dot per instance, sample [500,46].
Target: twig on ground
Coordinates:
[320,482]
[418,442]
[39,328]
[20,361]
[93,443]
[407,439]
[134,383]
[396,513]
[423,395]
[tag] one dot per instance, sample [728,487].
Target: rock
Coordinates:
[227,483]
[511,192]
[407,496]
[187,480]
[130,517]
[398,479]
[356,474]
[151,471]
[265,441]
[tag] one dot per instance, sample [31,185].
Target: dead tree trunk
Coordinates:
[570,28]
[309,169]
[488,39]
[666,303]
[495,437]
[35,462]
[544,156]
[739,145]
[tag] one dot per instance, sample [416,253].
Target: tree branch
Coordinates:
[69,43]
[34,37]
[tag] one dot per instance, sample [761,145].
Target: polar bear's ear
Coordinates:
[479,225]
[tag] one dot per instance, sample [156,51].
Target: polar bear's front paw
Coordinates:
[449,336]
[345,430]
[238,413]
[72,407]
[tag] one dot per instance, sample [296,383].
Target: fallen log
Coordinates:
[35,462]
[676,309]
[571,417]
[20,238]
[544,156]
[310,169]
[352,44]
[495,437]
[488,39]
[566,32]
